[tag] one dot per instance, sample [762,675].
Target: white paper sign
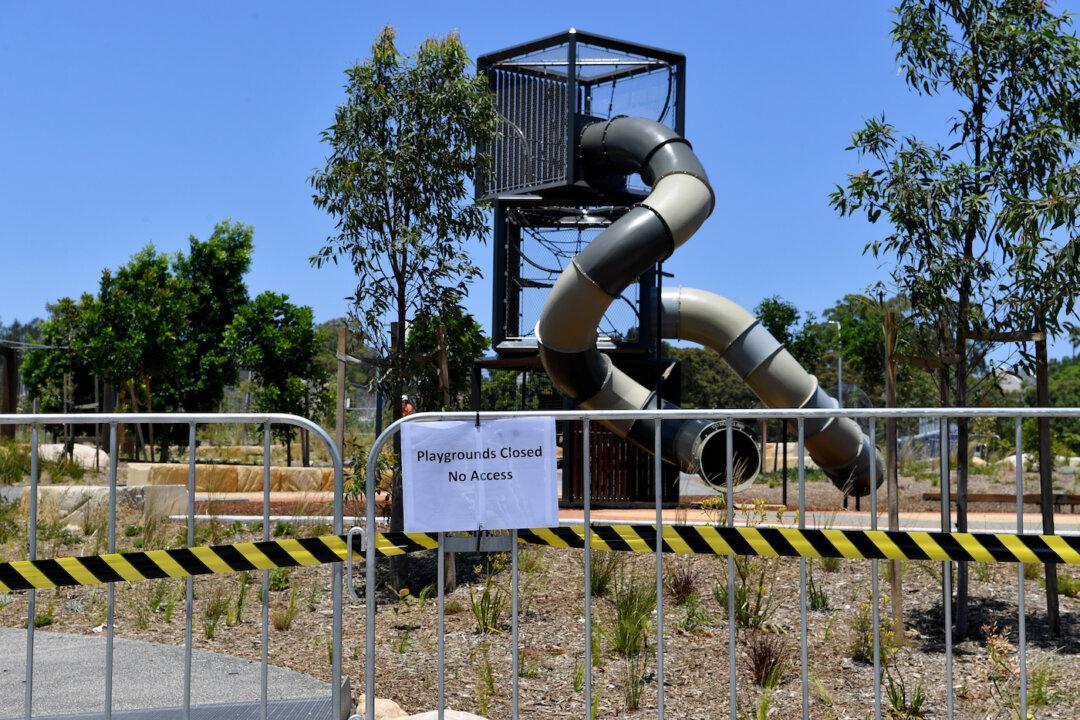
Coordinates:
[500,476]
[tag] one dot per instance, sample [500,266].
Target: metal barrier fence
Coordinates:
[799,417]
[192,420]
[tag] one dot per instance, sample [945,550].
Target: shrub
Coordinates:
[14,464]
[635,600]
[766,658]
[635,681]
[861,648]
[682,583]
[1069,585]
[753,593]
[9,520]
[816,595]
[488,608]
[697,618]
[280,579]
[217,607]
[237,614]
[603,568]
[830,564]
[282,617]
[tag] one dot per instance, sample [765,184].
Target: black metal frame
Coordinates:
[572,187]
[506,241]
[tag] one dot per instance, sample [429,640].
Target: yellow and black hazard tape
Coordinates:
[680,539]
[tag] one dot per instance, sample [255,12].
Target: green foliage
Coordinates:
[604,567]
[1068,585]
[402,147]
[635,600]
[766,658]
[697,618]
[277,341]
[502,390]
[779,317]
[634,681]
[212,276]
[47,618]
[816,595]
[280,579]
[236,616]
[10,520]
[153,330]
[464,341]
[681,583]
[282,618]
[488,608]
[982,232]
[216,609]
[14,464]
[1064,391]
[753,593]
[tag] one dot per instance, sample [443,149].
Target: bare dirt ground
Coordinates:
[552,633]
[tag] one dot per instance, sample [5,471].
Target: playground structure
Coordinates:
[560,161]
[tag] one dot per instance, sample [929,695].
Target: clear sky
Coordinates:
[123,123]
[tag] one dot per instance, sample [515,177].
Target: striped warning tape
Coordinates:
[681,539]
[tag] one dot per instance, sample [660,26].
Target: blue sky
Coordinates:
[130,122]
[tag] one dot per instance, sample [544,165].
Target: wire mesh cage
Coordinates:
[533,246]
[548,89]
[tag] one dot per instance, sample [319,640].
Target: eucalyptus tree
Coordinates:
[396,182]
[1010,67]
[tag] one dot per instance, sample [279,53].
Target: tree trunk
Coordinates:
[962,435]
[140,446]
[397,389]
[1046,480]
[305,449]
[943,455]
[9,388]
[892,487]
[150,409]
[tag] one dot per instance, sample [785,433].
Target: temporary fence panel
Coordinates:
[185,562]
[804,542]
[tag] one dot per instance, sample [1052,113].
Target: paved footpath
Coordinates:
[69,675]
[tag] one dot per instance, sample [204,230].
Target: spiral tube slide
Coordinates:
[680,201]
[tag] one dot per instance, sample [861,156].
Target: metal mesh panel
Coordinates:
[530,147]
[541,257]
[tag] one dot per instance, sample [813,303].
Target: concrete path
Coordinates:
[69,675]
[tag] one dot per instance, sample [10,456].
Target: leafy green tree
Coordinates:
[707,381]
[212,276]
[463,340]
[501,390]
[64,332]
[402,150]
[278,342]
[1011,68]
[779,317]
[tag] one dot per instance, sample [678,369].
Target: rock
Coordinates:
[208,478]
[81,455]
[978,462]
[384,709]
[78,504]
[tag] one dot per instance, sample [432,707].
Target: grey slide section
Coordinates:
[69,676]
[837,445]
[680,201]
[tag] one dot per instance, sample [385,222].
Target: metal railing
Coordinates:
[192,420]
[799,417]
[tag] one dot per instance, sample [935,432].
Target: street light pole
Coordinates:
[839,366]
